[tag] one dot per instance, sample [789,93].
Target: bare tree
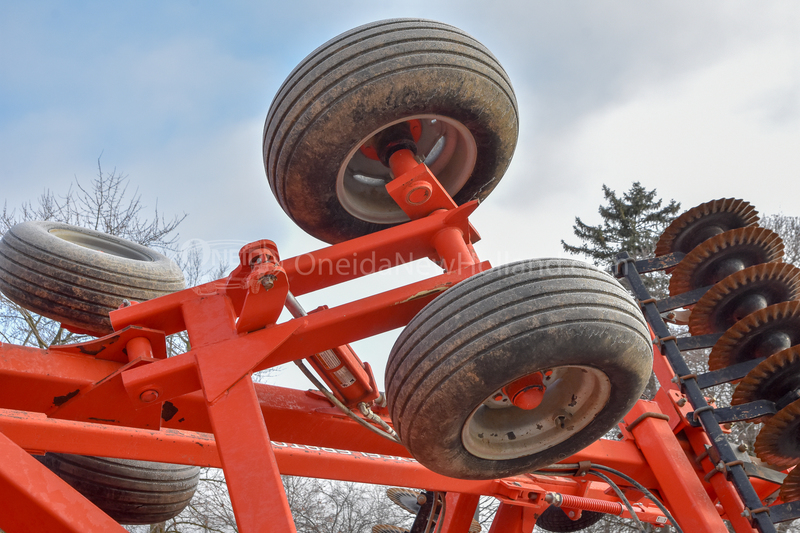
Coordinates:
[788,227]
[105,205]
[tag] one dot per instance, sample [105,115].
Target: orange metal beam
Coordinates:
[679,482]
[251,471]
[459,510]
[34,499]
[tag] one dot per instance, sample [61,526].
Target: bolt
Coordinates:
[572,514]
[421,498]
[126,303]
[149,396]
[268,281]
[681,402]
[743,447]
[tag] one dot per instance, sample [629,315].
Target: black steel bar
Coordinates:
[682,300]
[785,512]
[625,266]
[659,263]
[698,342]
[727,374]
[737,413]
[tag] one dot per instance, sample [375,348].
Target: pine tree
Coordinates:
[633,224]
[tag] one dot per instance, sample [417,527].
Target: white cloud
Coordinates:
[728,130]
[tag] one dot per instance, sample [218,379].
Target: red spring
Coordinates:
[588,504]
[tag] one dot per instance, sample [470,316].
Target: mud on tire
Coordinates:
[447,370]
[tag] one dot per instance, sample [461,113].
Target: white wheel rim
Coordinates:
[98,244]
[445,145]
[497,430]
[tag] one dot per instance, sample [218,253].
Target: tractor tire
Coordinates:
[77,275]
[360,83]
[130,492]
[555,519]
[568,321]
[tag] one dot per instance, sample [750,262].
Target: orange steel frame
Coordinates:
[120,396]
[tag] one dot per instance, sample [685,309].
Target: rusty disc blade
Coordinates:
[742,293]
[790,490]
[384,528]
[773,378]
[722,255]
[759,334]
[778,442]
[703,222]
[405,498]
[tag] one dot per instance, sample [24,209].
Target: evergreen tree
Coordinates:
[632,223]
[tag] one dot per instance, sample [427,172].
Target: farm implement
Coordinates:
[521,382]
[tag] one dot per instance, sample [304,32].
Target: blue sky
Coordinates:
[700,100]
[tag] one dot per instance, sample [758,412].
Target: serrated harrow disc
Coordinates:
[759,334]
[778,442]
[790,490]
[703,222]
[742,293]
[723,255]
[773,378]
[405,498]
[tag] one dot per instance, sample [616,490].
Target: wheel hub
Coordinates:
[570,398]
[444,144]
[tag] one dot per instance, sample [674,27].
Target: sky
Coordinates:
[699,100]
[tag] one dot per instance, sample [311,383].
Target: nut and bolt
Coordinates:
[149,396]
[681,402]
[743,447]
[268,281]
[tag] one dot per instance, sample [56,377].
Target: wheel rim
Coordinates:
[497,430]
[445,145]
[99,244]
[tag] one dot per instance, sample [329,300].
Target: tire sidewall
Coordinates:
[498,326]
[622,368]
[39,234]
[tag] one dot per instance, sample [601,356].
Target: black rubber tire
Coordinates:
[498,326]
[555,519]
[77,275]
[130,492]
[363,81]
